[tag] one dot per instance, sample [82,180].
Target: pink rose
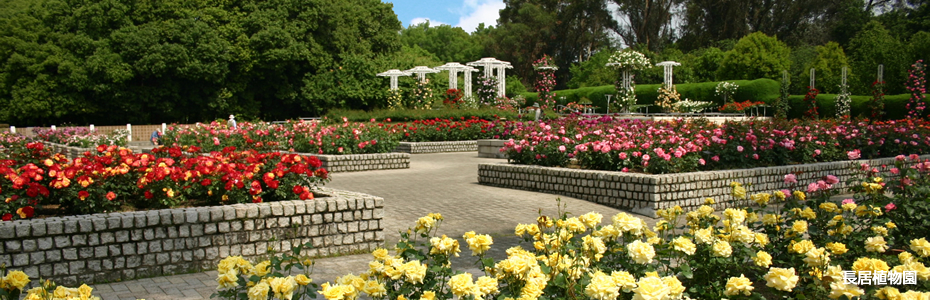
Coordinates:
[890,207]
[832,179]
[855,154]
[848,201]
[623,155]
[791,178]
[561,148]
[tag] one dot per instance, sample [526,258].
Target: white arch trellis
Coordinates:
[491,64]
[393,73]
[421,72]
[667,66]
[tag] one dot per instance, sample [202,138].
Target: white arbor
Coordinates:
[393,73]
[421,72]
[667,66]
[491,64]
[454,68]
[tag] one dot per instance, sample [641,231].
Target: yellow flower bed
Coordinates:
[14,283]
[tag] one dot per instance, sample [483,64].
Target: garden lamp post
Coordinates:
[608,104]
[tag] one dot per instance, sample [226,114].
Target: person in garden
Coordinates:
[232,122]
[154,138]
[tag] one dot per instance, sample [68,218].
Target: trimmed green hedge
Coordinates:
[765,90]
[412,115]
[895,106]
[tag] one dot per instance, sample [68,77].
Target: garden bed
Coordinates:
[437,147]
[121,246]
[646,193]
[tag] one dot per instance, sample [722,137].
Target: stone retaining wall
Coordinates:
[363,162]
[437,147]
[122,246]
[491,149]
[646,193]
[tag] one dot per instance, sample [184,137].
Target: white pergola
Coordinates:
[668,65]
[489,64]
[454,68]
[393,73]
[468,72]
[421,72]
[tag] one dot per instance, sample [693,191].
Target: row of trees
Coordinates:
[118,61]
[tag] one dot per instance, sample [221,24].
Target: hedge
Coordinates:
[765,90]
[405,115]
[895,106]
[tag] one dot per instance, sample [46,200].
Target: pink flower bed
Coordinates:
[681,146]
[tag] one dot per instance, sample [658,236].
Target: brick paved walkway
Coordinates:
[445,183]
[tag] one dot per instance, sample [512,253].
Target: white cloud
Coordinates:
[475,12]
[432,23]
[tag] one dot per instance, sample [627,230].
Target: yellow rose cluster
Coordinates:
[17,280]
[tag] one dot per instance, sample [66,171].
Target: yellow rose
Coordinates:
[684,244]
[739,192]
[736,216]
[624,280]
[674,286]
[428,295]
[770,219]
[462,285]
[227,280]
[486,286]
[302,279]
[888,293]
[37,293]
[808,213]
[780,195]
[869,264]
[704,236]
[828,207]
[335,292]
[800,195]
[444,245]
[85,291]
[650,288]
[479,244]
[837,248]
[640,252]
[738,285]
[374,289]
[801,247]
[921,247]
[261,269]
[891,225]
[574,225]
[849,206]
[380,254]
[879,230]
[594,245]
[629,224]
[905,257]
[923,273]
[259,291]
[414,271]
[283,287]
[799,226]
[761,239]
[876,244]
[425,224]
[839,288]
[602,287]
[817,257]
[591,219]
[722,249]
[16,279]
[762,199]
[762,259]
[781,279]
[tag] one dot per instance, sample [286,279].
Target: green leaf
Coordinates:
[685,270]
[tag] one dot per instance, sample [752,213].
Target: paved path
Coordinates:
[445,183]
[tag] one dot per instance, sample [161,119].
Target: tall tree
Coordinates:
[569,31]
[706,21]
[647,22]
[449,44]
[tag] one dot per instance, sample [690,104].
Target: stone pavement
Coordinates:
[445,183]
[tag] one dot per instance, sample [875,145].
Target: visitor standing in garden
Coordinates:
[154,138]
[232,122]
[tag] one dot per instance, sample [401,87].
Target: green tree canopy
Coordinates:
[828,68]
[449,44]
[756,56]
[118,61]
[874,45]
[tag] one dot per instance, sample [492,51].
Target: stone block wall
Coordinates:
[363,162]
[122,246]
[646,193]
[437,147]
[491,149]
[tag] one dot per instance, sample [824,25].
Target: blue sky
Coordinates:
[460,13]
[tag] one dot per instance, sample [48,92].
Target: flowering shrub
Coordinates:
[421,97]
[629,59]
[626,99]
[726,90]
[811,100]
[486,90]
[215,136]
[783,105]
[667,98]
[917,85]
[739,107]
[794,244]
[395,99]
[240,279]
[449,130]
[690,106]
[345,138]
[677,146]
[82,137]
[452,98]
[109,177]
[14,283]
[545,81]
[877,103]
